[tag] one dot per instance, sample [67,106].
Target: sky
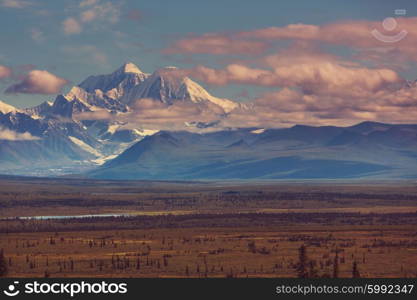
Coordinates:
[316,62]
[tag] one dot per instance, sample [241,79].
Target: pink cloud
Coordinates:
[85,3]
[5,72]
[290,106]
[96,115]
[38,82]
[349,33]
[71,26]
[15,4]
[134,15]
[154,114]
[10,135]
[353,34]
[216,44]
[314,88]
[313,77]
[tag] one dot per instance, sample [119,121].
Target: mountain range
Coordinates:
[64,137]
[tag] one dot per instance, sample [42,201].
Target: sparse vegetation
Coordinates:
[240,231]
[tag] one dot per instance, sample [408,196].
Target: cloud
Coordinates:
[15,3]
[289,106]
[352,34]
[134,15]
[71,26]
[90,11]
[99,114]
[37,35]
[153,111]
[9,135]
[88,3]
[313,88]
[216,44]
[5,72]
[314,77]
[88,16]
[154,114]
[103,11]
[38,82]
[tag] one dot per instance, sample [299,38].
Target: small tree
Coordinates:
[138,264]
[355,270]
[312,272]
[302,266]
[336,265]
[3,264]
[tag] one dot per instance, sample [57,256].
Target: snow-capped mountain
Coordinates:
[39,110]
[6,108]
[61,128]
[117,91]
[94,93]
[41,146]
[168,86]
[89,131]
[114,84]
[116,94]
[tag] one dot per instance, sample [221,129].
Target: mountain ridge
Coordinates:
[273,154]
[68,138]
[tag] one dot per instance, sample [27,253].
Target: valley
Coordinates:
[90,228]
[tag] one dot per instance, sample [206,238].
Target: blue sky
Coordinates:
[32,34]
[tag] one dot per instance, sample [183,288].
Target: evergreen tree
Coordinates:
[336,265]
[312,272]
[302,266]
[3,264]
[138,264]
[355,270]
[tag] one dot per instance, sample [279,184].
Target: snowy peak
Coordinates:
[39,110]
[197,93]
[169,84]
[6,108]
[77,93]
[65,107]
[129,68]
[125,77]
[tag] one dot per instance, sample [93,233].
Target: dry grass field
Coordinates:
[207,229]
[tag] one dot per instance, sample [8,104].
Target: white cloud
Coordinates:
[5,72]
[90,11]
[15,3]
[88,16]
[153,114]
[103,12]
[71,26]
[38,82]
[88,3]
